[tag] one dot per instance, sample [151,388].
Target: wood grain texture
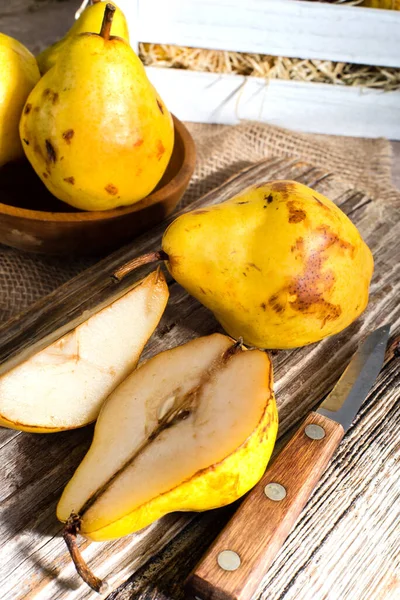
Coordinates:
[261,525]
[345,544]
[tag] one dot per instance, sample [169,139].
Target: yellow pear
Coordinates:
[96,131]
[64,385]
[191,429]
[280,264]
[19,73]
[89,21]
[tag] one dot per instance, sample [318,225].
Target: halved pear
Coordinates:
[191,429]
[64,385]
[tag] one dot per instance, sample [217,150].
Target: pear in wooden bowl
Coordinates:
[32,219]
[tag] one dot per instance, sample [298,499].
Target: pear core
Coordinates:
[191,429]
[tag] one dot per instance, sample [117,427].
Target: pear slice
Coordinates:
[192,429]
[64,385]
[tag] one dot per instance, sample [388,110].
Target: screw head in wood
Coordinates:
[314,432]
[228,560]
[275,491]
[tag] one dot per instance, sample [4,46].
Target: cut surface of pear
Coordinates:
[191,429]
[89,21]
[64,385]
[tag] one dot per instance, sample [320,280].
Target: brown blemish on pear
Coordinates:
[160,149]
[138,142]
[27,109]
[48,94]
[70,180]
[51,152]
[296,214]
[254,266]
[111,189]
[298,246]
[68,135]
[312,287]
[275,304]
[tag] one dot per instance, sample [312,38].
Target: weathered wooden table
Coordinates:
[345,546]
[346,543]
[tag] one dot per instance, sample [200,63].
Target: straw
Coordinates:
[270,67]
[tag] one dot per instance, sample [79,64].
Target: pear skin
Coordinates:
[89,21]
[99,135]
[19,74]
[280,264]
[192,429]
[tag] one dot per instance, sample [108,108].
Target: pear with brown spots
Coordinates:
[279,265]
[96,125]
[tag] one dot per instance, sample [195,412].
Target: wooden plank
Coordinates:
[279,27]
[345,544]
[354,506]
[302,106]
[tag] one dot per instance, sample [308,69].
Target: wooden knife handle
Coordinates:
[234,565]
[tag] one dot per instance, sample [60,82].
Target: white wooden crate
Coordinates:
[290,28]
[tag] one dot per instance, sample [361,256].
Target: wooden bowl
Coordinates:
[27,223]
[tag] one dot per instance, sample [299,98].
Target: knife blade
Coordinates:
[236,562]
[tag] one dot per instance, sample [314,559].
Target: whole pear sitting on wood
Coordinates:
[94,128]
[279,265]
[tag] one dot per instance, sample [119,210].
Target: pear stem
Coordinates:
[234,349]
[69,534]
[107,21]
[135,263]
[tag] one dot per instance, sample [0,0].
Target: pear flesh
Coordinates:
[64,385]
[89,21]
[279,264]
[19,73]
[191,429]
[96,132]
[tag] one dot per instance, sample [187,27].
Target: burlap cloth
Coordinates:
[222,151]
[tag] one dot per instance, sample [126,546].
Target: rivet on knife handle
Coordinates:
[234,566]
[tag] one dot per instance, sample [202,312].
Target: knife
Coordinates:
[234,565]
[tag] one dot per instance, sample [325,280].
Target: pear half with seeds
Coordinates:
[190,430]
[64,385]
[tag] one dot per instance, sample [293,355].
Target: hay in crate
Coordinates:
[270,67]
